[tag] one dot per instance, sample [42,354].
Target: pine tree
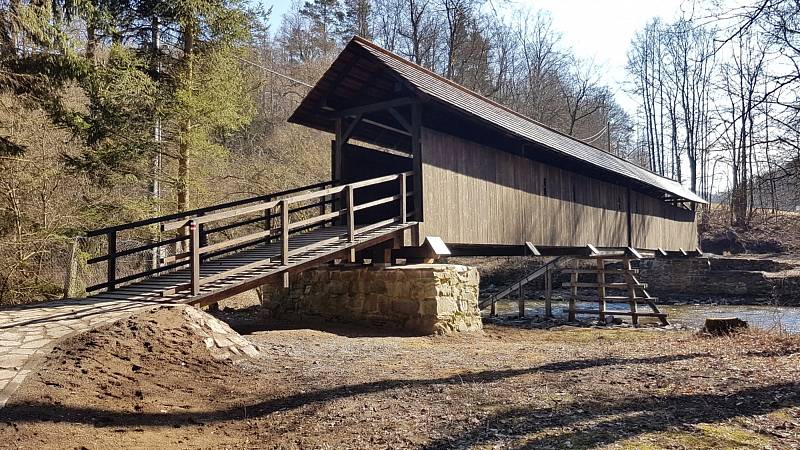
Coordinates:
[326,23]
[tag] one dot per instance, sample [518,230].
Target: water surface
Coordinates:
[786,318]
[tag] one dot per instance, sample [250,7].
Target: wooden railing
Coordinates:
[194,227]
[551,265]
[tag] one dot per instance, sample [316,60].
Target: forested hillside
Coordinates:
[113,111]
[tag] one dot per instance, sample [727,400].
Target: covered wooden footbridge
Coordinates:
[420,167]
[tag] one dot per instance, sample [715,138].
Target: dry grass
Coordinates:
[766,229]
[355,388]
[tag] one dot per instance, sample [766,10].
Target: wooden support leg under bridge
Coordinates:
[620,279]
[547,270]
[634,292]
[231,248]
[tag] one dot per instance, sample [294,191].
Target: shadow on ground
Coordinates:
[612,421]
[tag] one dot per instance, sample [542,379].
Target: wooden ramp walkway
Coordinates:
[207,255]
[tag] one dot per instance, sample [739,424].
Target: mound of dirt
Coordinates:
[134,364]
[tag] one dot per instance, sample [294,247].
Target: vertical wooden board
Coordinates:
[476,194]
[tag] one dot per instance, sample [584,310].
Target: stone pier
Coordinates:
[418,298]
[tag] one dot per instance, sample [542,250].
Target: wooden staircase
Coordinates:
[635,292]
[546,271]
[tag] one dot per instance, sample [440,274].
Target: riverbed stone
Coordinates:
[418,298]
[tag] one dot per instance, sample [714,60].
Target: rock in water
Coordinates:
[719,326]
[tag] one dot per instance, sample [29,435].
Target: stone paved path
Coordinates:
[28,333]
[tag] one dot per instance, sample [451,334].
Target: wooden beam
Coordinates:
[432,248]
[350,128]
[400,119]
[416,152]
[386,127]
[338,143]
[548,293]
[632,252]
[566,250]
[532,249]
[373,107]
[488,250]
[377,124]
[194,265]
[629,218]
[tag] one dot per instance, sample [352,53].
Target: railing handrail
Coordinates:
[199,249]
[180,223]
[195,212]
[518,284]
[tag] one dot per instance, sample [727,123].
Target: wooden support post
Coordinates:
[629,218]
[626,265]
[573,293]
[268,219]
[203,237]
[403,199]
[548,293]
[351,221]
[493,310]
[70,280]
[416,152]
[111,269]
[601,289]
[520,301]
[338,146]
[338,143]
[194,257]
[284,232]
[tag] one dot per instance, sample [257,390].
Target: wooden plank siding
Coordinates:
[657,224]
[475,194]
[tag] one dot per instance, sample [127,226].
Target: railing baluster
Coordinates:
[351,223]
[203,234]
[194,257]
[111,269]
[284,232]
[268,220]
[403,199]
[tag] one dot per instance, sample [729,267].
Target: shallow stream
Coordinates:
[785,318]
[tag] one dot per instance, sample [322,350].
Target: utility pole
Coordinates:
[155,183]
[608,136]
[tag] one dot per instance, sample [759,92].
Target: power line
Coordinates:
[294,80]
[595,136]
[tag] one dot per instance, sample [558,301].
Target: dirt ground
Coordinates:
[145,382]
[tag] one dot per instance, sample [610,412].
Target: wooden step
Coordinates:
[620,313]
[615,299]
[599,271]
[607,285]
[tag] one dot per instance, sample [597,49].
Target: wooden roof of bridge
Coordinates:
[365,73]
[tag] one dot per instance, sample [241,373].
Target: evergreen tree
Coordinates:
[326,18]
[357,17]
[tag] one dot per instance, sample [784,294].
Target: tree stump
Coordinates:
[720,326]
